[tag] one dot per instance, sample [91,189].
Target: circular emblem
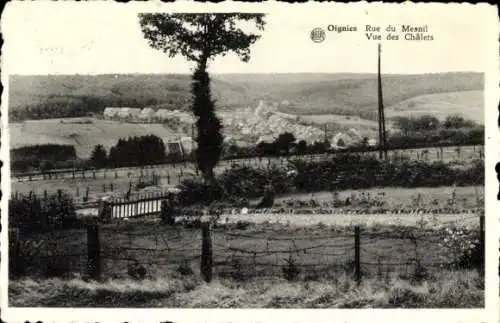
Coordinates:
[318,35]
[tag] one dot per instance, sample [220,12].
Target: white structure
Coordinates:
[188,144]
[372,142]
[163,114]
[147,114]
[341,140]
[131,113]
[354,135]
[110,113]
[268,139]
[263,110]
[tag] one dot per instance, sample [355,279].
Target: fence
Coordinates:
[146,205]
[140,251]
[174,170]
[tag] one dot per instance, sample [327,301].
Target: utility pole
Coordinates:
[381,114]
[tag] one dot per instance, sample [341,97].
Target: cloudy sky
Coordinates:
[98,38]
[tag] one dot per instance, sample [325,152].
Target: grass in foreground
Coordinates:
[448,289]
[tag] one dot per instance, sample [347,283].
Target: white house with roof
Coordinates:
[341,140]
[129,113]
[163,114]
[110,113]
[188,144]
[147,114]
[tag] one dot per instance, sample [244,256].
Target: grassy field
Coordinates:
[84,136]
[254,279]
[400,197]
[470,104]
[447,290]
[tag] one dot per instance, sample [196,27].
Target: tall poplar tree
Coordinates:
[201,37]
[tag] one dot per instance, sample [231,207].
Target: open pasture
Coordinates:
[250,260]
[469,104]
[84,136]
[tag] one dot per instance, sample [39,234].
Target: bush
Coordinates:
[31,213]
[185,269]
[465,248]
[291,270]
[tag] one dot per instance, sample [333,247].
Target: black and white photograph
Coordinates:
[266,156]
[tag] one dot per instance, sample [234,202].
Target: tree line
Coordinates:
[143,150]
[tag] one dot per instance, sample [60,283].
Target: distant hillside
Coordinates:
[346,94]
[470,104]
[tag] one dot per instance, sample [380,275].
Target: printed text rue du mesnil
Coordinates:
[392,32]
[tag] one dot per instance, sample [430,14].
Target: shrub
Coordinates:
[185,269]
[31,213]
[344,171]
[291,270]
[465,248]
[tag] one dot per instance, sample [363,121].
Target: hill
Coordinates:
[470,104]
[83,136]
[46,96]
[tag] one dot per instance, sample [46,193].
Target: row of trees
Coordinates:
[42,157]
[144,150]
[408,125]
[75,106]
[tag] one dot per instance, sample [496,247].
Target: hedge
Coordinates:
[347,171]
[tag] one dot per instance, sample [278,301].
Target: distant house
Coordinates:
[173,149]
[341,140]
[188,145]
[110,113]
[268,139]
[147,114]
[129,113]
[372,142]
[163,114]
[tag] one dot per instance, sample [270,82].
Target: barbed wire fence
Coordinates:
[118,250]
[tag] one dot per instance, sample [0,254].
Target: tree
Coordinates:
[301,147]
[457,122]
[200,38]
[99,158]
[404,124]
[284,141]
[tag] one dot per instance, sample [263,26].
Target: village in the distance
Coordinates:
[263,190]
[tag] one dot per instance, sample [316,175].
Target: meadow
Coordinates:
[470,104]
[85,136]
[248,268]
[119,180]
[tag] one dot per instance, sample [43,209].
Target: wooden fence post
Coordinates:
[14,257]
[206,252]
[482,242]
[94,252]
[357,258]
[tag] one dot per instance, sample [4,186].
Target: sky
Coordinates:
[85,38]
